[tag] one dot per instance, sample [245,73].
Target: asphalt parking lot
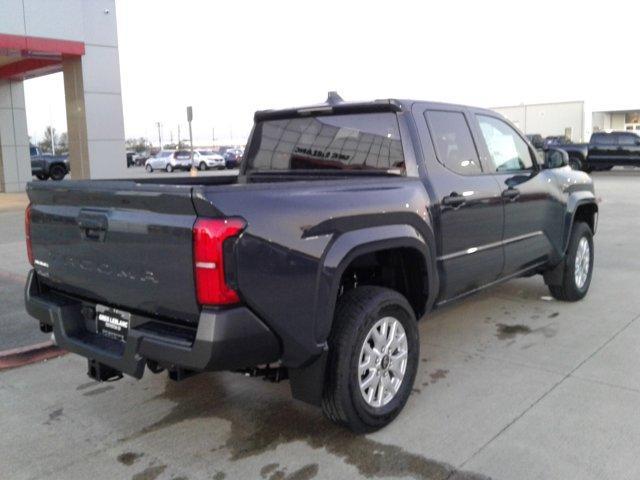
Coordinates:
[512,385]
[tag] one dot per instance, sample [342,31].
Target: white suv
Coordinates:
[205,159]
[170,160]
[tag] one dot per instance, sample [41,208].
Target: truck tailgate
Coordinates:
[120,243]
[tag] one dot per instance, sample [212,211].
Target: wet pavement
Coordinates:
[511,385]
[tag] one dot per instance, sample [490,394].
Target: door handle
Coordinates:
[511,193]
[454,200]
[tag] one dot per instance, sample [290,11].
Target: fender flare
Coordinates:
[574,202]
[350,245]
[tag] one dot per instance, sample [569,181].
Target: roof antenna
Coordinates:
[333,98]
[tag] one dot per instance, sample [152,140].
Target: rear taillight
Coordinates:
[27,233]
[209,235]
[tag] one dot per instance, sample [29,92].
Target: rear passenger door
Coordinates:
[468,211]
[533,214]
[629,147]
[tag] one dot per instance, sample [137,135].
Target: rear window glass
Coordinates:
[367,141]
[183,155]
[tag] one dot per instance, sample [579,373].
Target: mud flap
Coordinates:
[307,382]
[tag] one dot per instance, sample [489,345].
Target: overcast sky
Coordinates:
[229,58]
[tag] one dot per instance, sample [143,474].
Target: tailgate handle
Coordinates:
[93,225]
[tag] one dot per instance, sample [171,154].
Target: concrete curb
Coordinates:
[18,357]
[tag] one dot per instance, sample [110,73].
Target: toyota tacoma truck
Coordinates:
[349,221]
[605,151]
[47,166]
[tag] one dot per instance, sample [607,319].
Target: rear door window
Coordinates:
[453,141]
[628,139]
[362,141]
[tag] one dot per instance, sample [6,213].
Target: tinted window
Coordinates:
[183,155]
[603,139]
[453,142]
[628,139]
[164,154]
[368,141]
[507,149]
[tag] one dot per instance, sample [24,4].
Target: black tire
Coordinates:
[202,166]
[568,290]
[42,176]
[357,312]
[57,172]
[148,168]
[168,168]
[575,163]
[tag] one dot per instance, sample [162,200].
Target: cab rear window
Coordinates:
[365,141]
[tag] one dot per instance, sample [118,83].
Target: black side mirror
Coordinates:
[555,158]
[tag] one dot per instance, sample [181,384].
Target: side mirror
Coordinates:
[556,158]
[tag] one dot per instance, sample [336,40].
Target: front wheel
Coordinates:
[578,268]
[202,166]
[42,176]
[57,172]
[169,168]
[373,358]
[148,168]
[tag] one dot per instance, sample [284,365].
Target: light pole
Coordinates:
[189,118]
[159,135]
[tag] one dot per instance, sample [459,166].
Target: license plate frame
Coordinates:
[112,323]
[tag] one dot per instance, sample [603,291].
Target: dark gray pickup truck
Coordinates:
[47,166]
[348,222]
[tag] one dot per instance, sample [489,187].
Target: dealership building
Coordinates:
[78,38]
[576,119]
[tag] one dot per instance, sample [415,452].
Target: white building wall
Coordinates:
[549,118]
[14,140]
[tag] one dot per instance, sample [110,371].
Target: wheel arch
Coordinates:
[351,246]
[580,208]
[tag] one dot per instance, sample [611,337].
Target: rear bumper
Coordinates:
[227,339]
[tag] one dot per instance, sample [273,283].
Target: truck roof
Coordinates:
[335,104]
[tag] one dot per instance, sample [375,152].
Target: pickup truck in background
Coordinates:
[604,151]
[348,223]
[45,166]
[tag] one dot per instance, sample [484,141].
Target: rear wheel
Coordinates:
[57,172]
[373,359]
[202,166]
[169,168]
[578,268]
[148,168]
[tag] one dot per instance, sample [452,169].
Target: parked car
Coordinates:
[130,159]
[555,141]
[169,160]
[348,223]
[605,151]
[536,140]
[232,157]
[205,159]
[45,165]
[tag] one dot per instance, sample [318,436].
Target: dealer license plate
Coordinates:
[112,323]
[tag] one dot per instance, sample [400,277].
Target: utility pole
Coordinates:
[179,146]
[53,140]
[159,135]
[189,118]
[213,136]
